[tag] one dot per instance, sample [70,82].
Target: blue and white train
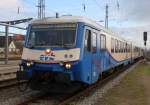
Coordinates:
[72,49]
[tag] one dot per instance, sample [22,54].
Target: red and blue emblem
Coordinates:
[48,56]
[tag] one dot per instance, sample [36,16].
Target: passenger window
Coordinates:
[128,48]
[103,42]
[112,45]
[116,46]
[94,41]
[124,47]
[87,43]
[121,47]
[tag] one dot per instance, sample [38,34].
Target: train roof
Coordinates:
[75,19]
[64,19]
[70,19]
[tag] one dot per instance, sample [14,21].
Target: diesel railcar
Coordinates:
[72,49]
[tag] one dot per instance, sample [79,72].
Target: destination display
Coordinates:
[68,25]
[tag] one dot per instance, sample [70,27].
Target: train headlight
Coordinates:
[68,66]
[47,51]
[29,64]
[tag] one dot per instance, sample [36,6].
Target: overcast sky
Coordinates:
[129,18]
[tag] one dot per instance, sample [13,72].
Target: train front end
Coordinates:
[51,54]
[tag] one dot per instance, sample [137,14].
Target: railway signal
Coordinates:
[145,40]
[145,37]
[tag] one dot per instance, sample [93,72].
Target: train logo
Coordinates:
[48,56]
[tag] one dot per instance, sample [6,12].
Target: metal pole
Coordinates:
[145,51]
[6,44]
[106,17]
[57,15]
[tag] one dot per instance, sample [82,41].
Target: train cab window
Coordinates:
[112,45]
[102,42]
[94,42]
[87,43]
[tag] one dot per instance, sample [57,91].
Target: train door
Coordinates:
[87,56]
[104,58]
[95,57]
[90,55]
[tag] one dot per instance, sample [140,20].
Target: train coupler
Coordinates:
[23,74]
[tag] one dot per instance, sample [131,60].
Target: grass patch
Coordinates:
[130,91]
[144,69]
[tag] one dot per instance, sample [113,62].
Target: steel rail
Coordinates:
[9,83]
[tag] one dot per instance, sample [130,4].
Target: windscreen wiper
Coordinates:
[31,46]
[67,45]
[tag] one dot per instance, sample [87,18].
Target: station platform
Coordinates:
[10,62]
[8,72]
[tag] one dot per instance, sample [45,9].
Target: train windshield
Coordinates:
[52,36]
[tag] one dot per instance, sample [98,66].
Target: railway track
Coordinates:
[10,83]
[7,83]
[91,89]
[63,99]
[8,76]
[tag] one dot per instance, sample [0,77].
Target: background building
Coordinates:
[15,43]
